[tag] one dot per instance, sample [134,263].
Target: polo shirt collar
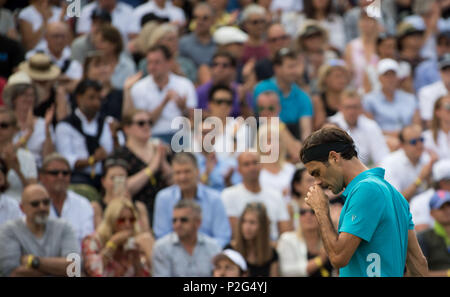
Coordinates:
[83,118]
[378,171]
[199,196]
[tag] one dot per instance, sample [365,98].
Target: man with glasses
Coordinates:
[55,177]
[185,252]
[409,168]
[37,245]
[199,45]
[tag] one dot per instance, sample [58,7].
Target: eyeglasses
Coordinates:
[181,219]
[305,211]
[279,38]
[221,101]
[414,141]
[123,220]
[223,65]
[57,172]
[270,108]
[5,125]
[257,22]
[142,123]
[36,203]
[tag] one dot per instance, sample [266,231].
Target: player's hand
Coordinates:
[317,199]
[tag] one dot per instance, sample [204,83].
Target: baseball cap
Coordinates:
[311,28]
[439,198]
[410,26]
[444,61]
[386,65]
[233,256]
[228,34]
[441,170]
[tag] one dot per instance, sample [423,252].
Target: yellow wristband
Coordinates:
[448,273]
[204,178]
[149,173]
[91,160]
[418,182]
[318,261]
[111,245]
[30,260]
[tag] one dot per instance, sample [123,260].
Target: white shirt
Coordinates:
[120,18]
[293,255]
[281,181]
[368,137]
[420,208]
[286,5]
[75,70]
[78,212]
[147,95]
[9,209]
[400,172]
[31,15]
[173,13]
[71,144]
[427,97]
[441,147]
[235,199]
[36,142]
[29,171]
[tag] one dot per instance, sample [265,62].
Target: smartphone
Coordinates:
[119,188]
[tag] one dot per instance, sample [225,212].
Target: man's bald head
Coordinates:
[32,191]
[57,36]
[35,204]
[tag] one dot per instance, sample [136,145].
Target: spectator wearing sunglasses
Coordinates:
[118,247]
[185,252]
[409,168]
[436,138]
[54,175]
[37,245]
[301,252]
[9,208]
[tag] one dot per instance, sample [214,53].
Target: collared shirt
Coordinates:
[400,172]
[235,199]
[170,259]
[368,137]
[147,95]
[214,218]
[199,53]
[378,214]
[78,212]
[170,11]
[120,18]
[428,95]
[9,209]
[216,178]
[72,145]
[391,115]
[294,106]
[441,147]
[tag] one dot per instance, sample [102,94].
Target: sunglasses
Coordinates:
[143,123]
[5,125]
[121,221]
[181,219]
[270,108]
[57,172]
[305,211]
[279,38]
[221,101]
[257,22]
[223,65]
[416,140]
[202,17]
[45,202]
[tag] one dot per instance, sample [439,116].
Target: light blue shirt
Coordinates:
[214,218]
[391,115]
[216,178]
[426,73]
[378,214]
[294,106]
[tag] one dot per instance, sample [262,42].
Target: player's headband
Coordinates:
[321,151]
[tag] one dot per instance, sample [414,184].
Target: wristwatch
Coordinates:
[35,262]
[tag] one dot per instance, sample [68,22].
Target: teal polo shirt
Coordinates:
[294,106]
[378,214]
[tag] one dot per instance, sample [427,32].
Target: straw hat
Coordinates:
[40,67]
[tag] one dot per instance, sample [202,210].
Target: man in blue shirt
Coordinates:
[296,107]
[376,235]
[215,222]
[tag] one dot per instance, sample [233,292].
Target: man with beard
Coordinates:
[37,245]
[375,235]
[54,175]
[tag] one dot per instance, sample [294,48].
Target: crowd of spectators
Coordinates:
[95,105]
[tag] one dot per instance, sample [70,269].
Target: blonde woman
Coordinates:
[118,248]
[301,252]
[437,138]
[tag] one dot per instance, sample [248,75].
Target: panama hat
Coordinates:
[40,67]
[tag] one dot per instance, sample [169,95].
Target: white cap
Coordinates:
[234,256]
[228,34]
[441,170]
[386,65]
